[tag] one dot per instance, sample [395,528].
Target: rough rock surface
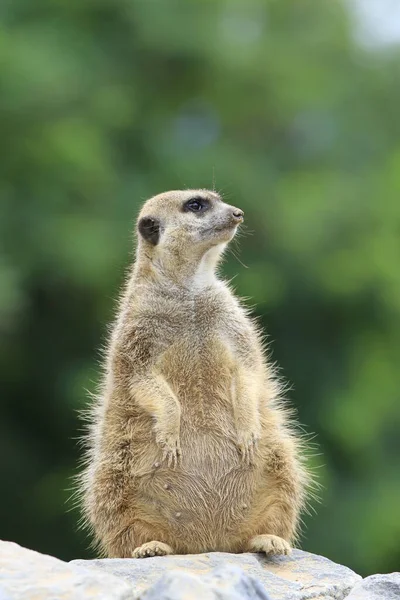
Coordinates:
[301,576]
[28,575]
[377,587]
[223,583]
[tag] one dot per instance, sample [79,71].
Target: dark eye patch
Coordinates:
[197,205]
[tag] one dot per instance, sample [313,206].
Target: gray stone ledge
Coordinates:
[29,575]
[377,587]
[301,576]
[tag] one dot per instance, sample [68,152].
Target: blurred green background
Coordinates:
[106,102]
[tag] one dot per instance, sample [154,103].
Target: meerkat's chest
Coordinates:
[190,361]
[199,351]
[206,328]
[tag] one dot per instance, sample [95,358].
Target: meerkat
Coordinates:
[190,447]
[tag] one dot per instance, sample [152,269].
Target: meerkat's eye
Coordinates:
[197,205]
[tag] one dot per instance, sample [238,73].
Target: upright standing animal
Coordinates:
[190,448]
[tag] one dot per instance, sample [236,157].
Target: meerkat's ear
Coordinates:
[150,229]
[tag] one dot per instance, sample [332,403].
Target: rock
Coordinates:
[299,576]
[377,587]
[223,583]
[28,575]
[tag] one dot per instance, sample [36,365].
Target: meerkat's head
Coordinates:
[185,230]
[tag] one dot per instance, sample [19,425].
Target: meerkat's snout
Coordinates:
[231,218]
[238,215]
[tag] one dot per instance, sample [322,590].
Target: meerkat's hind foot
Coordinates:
[153,548]
[269,544]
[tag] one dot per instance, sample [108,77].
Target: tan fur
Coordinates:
[190,447]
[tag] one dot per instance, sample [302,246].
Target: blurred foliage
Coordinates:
[106,102]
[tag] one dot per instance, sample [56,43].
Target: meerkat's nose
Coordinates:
[238,214]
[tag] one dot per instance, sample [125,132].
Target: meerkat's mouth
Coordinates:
[221,228]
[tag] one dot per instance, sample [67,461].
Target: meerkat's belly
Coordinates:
[206,499]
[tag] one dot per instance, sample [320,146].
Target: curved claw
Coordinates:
[247,449]
[172,455]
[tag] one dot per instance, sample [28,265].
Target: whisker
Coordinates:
[237,258]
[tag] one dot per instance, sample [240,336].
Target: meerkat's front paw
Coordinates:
[171,448]
[247,444]
[269,544]
[152,549]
